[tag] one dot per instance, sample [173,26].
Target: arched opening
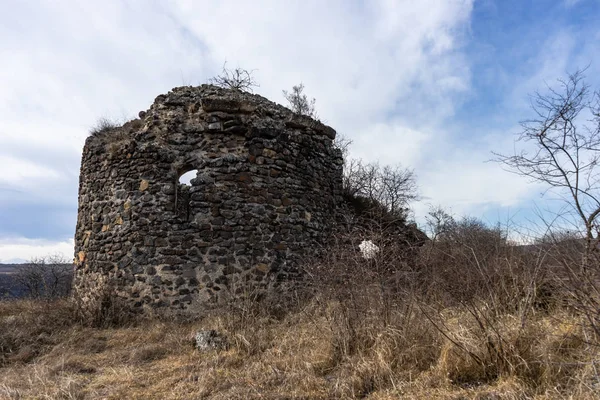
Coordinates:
[182,198]
[185,178]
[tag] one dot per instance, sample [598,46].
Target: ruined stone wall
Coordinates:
[267,186]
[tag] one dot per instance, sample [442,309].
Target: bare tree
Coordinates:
[565,137]
[398,188]
[439,222]
[342,143]
[47,277]
[237,79]
[31,278]
[361,179]
[299,103]
[392,187]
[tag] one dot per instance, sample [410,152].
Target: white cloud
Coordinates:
[389,74]
[404,145]
[20,172]
[460,175]
[377,69]
[23,249]
[386,74]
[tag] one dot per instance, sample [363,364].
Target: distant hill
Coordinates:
[10,288]
[8,268]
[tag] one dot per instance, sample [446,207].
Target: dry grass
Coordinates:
[309,354]
[376,329]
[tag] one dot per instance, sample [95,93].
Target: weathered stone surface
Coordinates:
[266,192]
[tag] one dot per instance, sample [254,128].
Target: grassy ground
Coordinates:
[319,351]
[468,316]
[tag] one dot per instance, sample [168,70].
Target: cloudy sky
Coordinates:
[435,85]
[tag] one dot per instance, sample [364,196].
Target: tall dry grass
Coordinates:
[471,317]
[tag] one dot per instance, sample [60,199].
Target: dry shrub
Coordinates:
[105,309]
[29,328]
[383,355]
[380,329]
[246,328]
[477,353]
[45,277]
[114,312]
[103,126]
[545,356]
[563,352]
[502,310]
[472,261]
[476,310]
[577,271]
[237,79]
[310,354]
[120,141]
[44,383]
[117,136]
[370,309]
[32,328]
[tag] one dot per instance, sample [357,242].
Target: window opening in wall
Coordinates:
[183,197]
[187,177]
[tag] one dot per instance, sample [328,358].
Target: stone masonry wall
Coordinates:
[267,186]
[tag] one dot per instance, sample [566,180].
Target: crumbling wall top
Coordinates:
[257,111]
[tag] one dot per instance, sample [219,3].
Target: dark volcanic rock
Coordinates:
[265,194]
[267,181]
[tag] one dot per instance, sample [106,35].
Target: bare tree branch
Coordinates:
[45,277]
[299,103]
[236,79]
[565,136]
[393,187]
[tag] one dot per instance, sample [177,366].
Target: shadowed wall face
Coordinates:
[264,190]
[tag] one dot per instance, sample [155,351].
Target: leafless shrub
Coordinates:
[342,143]
[566,255]
[370,308]
[299,103]
[365,288]
[237,79]
[374,328]
[468,260]
[438,222]
[564,134]
[113,311]
[486,297]
[101,306]
[46,277]
[391,187]
[31,327]
[566,150]
[472,300]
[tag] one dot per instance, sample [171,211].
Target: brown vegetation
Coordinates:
[473,317]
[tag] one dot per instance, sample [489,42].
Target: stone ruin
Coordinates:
[266,192]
